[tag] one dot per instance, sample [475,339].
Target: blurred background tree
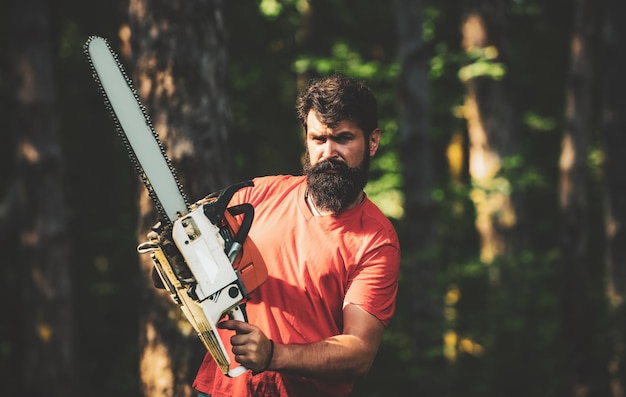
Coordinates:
[502,139]
[39,265]
[180,64]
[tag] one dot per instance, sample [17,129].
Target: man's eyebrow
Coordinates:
[335,135]
[343,134]
[315,133]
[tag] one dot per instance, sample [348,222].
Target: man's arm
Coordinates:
[348,355]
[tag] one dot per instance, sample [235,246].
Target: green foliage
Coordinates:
[265,135]
[347,61]
[514,325]
[270,8]
[482,64]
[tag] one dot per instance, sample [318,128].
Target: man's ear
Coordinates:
[374,141]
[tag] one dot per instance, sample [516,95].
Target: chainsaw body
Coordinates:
[207,270]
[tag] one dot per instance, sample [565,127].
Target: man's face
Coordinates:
[337,162]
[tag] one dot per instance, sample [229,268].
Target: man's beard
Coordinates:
[335,191]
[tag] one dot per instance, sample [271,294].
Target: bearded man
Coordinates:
[333,259]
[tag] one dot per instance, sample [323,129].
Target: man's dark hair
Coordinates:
[336,98]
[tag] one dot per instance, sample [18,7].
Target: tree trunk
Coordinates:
[47,360]
[420,222]
[614,126]
[180,58]
[575,293]
[492,130]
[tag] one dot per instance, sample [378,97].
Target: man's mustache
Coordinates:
[330,165]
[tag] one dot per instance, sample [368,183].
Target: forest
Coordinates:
[503,122]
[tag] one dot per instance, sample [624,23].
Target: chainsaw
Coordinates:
[201,252]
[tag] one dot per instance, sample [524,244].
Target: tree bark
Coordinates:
[614,126]
[179,53]
[420,223]
[47,344]
[573,203]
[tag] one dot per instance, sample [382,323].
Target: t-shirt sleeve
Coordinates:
[262,187]
[374,283]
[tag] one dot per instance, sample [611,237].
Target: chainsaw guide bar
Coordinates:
[135,128]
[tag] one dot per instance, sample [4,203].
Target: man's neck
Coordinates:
[321,212]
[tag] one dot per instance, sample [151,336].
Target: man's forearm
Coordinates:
[339,357]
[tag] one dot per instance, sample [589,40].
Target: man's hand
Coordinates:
[344,356]
[251,347]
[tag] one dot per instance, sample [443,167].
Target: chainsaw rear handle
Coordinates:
[237,313]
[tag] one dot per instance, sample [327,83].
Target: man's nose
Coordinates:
[330,149]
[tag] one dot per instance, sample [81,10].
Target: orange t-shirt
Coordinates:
[316,265]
